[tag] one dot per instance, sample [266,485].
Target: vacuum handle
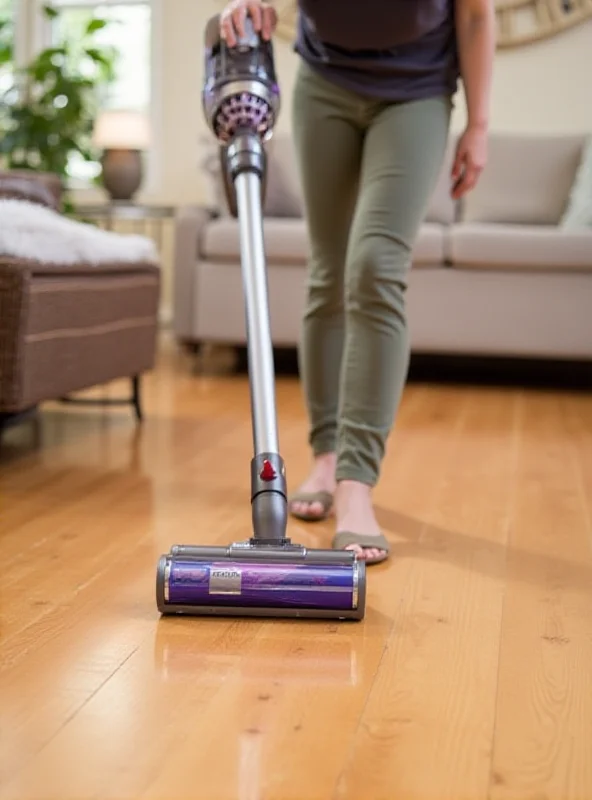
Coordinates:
[213,38]
[250,40]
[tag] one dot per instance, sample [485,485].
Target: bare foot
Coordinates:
[354,512]
[321,479]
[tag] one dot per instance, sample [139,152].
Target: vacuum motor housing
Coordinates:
[241,102]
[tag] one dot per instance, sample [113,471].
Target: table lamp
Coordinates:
[122,136]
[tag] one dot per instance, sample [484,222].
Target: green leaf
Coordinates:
[96,25]
[5,54]
[50,12]
[96,55]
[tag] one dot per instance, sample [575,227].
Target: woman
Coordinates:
[371,114]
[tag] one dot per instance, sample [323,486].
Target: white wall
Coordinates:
[546,86]
[543,87]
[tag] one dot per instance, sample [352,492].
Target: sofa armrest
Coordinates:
[190,222]
[13,314]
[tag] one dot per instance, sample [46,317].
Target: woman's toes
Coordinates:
[365,553]
[310,509]
[361,552]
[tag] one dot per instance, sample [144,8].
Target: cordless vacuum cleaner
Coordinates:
[267,575]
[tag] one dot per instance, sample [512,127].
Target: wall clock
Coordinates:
[519,22]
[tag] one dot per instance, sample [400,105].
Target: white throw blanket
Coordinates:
[31,231]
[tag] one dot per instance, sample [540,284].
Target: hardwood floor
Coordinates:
[470,678]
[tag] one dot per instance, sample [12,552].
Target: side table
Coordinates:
[143,217]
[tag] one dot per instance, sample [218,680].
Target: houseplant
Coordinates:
[48,111]
[6,40]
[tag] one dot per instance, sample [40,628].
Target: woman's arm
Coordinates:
[475,32]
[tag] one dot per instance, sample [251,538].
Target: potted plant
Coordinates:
[6,42]
[48,111]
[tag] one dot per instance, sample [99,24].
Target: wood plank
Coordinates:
[544,706]
[431,711]
[577,414]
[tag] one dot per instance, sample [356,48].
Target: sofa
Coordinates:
[68,327]
[505,271]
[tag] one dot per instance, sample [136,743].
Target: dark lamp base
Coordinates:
[122,173]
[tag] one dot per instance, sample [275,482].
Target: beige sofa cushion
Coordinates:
[527,179]
[286,242]
[526,247]
[284,195]
[430,247]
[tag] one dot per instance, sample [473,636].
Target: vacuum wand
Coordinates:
[267,575]
[241,101]
[268,475]
[261,372]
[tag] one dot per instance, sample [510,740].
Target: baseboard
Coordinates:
[469,370]
[536,373]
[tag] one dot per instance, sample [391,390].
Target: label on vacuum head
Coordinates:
[225,580]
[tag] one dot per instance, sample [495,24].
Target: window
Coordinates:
[6,44]
[6,9]
[129,31]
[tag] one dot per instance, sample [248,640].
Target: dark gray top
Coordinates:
[391,49]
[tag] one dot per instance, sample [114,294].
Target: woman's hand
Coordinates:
[470,160]
[232,19]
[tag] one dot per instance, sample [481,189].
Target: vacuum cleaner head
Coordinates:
[247,579]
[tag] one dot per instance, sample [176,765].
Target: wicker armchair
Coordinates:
[67,328]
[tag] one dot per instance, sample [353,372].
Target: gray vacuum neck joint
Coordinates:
[245,153]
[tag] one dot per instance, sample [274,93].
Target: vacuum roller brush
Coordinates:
[295,583]
[268,575]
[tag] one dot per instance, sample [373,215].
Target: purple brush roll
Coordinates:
[191,582]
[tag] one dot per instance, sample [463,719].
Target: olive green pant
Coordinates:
[367,169]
